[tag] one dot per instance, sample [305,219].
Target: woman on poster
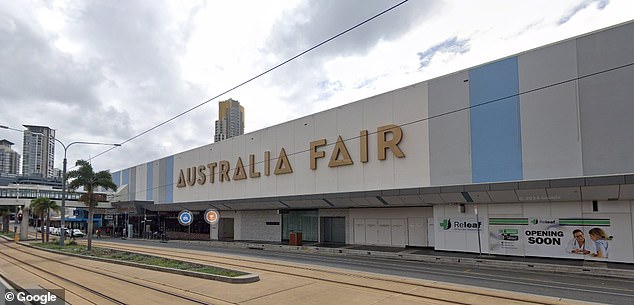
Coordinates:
[601,242]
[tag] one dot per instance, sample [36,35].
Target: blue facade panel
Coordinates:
[169,180]
[126,177]
[116,178]
[150,180]
[496,144]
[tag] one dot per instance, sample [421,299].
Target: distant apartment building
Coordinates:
[9,158]
[38,152]
[230,121]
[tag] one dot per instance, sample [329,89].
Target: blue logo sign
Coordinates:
[185,217]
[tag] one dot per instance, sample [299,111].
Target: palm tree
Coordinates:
[43,206]
[85,177]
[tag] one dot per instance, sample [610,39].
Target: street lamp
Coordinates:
[62,209]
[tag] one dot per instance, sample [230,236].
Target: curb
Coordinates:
[242,279]
[479,262]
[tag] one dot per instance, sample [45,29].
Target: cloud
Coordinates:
[314,21]
[121,77]
[601,4]
[451,46]
[34,72]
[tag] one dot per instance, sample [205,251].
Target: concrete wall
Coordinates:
[253,225]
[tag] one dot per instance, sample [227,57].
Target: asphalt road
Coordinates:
[570,286]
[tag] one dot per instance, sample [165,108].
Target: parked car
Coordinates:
[78,233]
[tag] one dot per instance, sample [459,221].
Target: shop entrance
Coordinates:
[304,221]
[333,230]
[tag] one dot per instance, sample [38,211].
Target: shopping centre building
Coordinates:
[517,156]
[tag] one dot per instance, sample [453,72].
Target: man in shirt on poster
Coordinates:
[578,244]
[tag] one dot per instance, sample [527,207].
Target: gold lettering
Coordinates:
[314,154]
[363,142]
[252,172]
[238,172]
[181,180]
[224,171]
[283,166]
[191,176]
[202,178]
[384,144]
[340,149]
[267,163]
[212,171]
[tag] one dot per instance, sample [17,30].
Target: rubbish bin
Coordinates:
[295,239]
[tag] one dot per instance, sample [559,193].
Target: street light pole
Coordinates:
[62,210]
[63,207]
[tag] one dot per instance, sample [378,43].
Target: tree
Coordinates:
[85,177]
[43,206]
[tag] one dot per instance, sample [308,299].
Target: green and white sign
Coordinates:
[552,237]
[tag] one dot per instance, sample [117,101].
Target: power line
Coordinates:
[497,100]
[257,76]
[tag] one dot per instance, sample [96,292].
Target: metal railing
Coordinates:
[52,194]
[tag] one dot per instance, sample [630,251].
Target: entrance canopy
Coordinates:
[614,187]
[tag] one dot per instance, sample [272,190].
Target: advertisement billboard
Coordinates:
[583,238]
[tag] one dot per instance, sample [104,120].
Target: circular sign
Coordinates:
[185,217]
[212,216]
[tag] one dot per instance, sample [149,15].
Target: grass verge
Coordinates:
[8,234]
[139,258]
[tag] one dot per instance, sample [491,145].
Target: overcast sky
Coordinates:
[106,71]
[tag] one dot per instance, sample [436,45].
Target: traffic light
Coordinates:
[19,217]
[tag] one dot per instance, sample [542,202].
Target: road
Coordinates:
[567,286]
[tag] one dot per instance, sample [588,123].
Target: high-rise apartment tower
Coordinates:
[9,158]
[230,121]
[38,152]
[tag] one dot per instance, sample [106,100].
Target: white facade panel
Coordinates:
[326,177]
[304,129]
[449,135]
[385,232]
[410,106]
[253,146]
[377,111]
[359,231]
[285,137]
[371,231]
[551,139]
[156,172]
[389,227]
[268,183]
[417,231]
[141,182]
[350,124]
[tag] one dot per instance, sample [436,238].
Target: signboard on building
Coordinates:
[587,238]
[212,216]
[185,218]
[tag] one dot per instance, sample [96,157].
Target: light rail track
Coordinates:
[451,294]
[74,286]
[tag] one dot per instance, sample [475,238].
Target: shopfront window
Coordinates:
[305,221]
